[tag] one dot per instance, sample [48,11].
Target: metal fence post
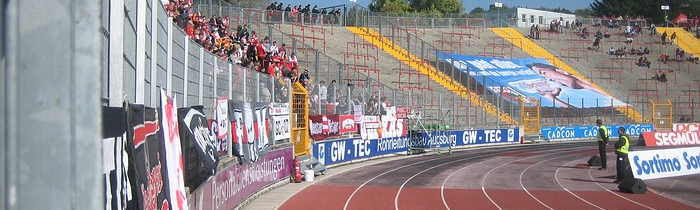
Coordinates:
[257,89]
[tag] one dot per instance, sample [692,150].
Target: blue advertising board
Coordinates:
[343,150]
[587,131]
[531,77]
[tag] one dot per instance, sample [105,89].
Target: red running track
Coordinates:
[540,176]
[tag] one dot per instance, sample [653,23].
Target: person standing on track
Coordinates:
[602,142]
[621,149]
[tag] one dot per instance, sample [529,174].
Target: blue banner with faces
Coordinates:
[584,131]
[531,77]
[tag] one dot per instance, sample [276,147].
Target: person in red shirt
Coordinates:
[253,38]
[189,30]
[260,49]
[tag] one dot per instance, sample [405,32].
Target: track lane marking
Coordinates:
[556,173]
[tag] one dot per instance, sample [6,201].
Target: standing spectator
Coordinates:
[323,92]
[602,142]
[673,38]
[332,92]
[351,87]
[663,38]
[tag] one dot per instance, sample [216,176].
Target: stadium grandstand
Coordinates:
[207,104]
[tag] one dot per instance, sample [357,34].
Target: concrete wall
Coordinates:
[50,105]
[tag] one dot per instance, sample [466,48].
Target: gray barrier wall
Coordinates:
[50,124]
[168,59]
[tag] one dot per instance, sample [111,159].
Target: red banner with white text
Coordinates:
[686,127]
[671,138]
[324,126]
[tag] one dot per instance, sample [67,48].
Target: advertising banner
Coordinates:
[324,126]
[194,129]
[220,126]
[370,127]
[173,152]
[282,127]
[652,164]
[343,150]
[279,112]
[466,138]
[577,132]
[222,116]
[686,127]
[531,77]
[116,162]
[347,124]
[237,182]
[249,129]
[671,138]
[147,154]
[357,111]
[277,109]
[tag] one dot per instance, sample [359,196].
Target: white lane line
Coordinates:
[347,202]
[556,173]
[669,187]
[483,180]
[396,198]
[527,191]
[616,194]
[442,187]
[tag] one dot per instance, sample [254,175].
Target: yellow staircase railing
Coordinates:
[685,40]
[415,62]
[535,50]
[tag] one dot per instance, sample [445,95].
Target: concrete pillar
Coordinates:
[50,106]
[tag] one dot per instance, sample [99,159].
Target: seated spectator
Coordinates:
[293,64]
[584,32]
[652,29]
[693,59]
[633,50]
[640,51]
[661,77]
[643,61]
[664,58]
[598,34]
[596,44]
[629,40]
[607,34]
[611,51]
[646,50]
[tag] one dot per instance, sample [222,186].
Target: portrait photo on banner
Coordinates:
[534,78]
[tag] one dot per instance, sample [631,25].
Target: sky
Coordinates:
[468,4]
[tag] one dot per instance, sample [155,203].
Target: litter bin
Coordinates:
[309,175]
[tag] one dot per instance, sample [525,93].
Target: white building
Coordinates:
[524,18]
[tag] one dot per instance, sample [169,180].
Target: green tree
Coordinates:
[477,10]
[494,8]
[437,6]
[588,12]
[397,6]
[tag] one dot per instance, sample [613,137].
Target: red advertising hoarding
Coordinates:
[347,124]
[671,138]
